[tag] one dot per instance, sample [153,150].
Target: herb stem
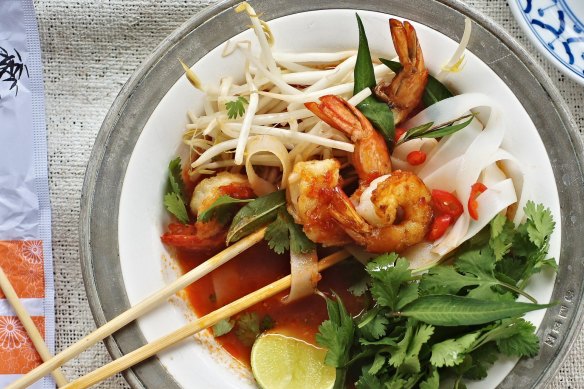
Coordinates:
[518,291]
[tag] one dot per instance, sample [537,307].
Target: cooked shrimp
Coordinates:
[371,156]
[310,188]
[207,236]
[402,213]
[404,92]
[388,212]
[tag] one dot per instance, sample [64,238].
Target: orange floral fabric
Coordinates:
[17,353]
[23,263]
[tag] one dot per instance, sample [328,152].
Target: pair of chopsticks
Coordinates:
[29,326]
[150,302]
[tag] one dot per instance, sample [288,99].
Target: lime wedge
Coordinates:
[281,362]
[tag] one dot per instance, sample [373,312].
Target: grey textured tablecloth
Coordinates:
[90,48]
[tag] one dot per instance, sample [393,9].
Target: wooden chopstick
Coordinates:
[139,309]
[198,325]
[29,326]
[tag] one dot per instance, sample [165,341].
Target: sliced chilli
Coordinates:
[445,203]
[473,206]
[416,157]
[439,226]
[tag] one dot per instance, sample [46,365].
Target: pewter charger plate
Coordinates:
[147,87]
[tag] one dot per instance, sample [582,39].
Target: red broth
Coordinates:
[255,268]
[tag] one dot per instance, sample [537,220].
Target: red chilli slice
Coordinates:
[473,206]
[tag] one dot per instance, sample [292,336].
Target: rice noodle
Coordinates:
[266,144]
[304,274]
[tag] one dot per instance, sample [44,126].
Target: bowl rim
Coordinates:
[100,278]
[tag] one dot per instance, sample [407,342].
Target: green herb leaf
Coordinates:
[360,287]
[236,108]
[175,205]
[284,234]
[480,360]
[337,334]
[221,209]
[540,223]
[432,380]
[451,352]
[514,337]
[434,92]
[222,327]
[448,310]
[255,214]
[174,199]
[377,364]
[428,130]
[411,362]
[267,323]
[247,328]
[389,278]
[376,111]
[175,182]
[369,381]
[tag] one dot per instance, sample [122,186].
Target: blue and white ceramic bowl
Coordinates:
[556,27]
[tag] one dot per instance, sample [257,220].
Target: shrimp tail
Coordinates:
[405,90]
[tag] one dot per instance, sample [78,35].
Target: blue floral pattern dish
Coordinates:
[556,27]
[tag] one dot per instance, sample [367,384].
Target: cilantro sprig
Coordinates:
[174,199]
[453,321]
[236,107]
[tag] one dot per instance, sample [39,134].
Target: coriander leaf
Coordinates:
[336,334]
[388,272]
[398,355]
[411,363]
[247,328]
[278,235]
[221,209]
[236,108]
[375,328]
[395,383]
[360,287]
[407,294]
[175,182]
[377,364]
[284,234]
[444,280]
[381,342]
[432,381]
[376,111]
[448,310]
[480,263]
[481,360]
[255,214]
[369,381]
[174,199]
[540,223]
[222,327]
[267,323]
[519,339]
[501,240]
[451,351]
[175,205]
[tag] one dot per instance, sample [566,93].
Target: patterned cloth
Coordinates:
[25,224]
[90,49]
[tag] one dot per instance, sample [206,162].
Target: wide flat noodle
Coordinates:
[304,273]
[260,145]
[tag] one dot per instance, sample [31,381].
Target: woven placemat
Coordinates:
[90,48]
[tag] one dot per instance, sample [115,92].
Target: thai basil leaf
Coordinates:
[376,111]
[255,214]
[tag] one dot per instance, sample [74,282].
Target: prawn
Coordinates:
[404,92]
[210,235]
[390,211]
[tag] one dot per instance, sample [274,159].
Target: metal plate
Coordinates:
[206,30]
